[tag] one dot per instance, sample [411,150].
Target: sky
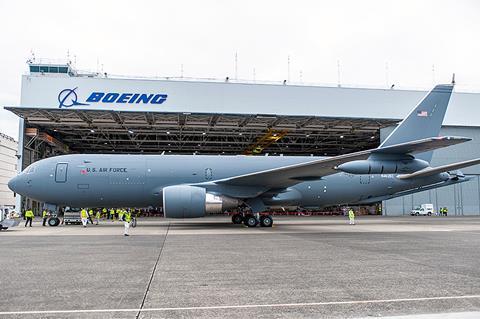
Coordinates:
[373,42]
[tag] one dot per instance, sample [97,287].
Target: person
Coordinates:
[90,216]
[84,216]
[104,213]
[445,211]
[45,217]
[112,214]
[97,216]
[127,218]
[351,216]
[120,214]
[29,217]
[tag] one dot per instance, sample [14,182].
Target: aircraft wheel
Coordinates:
[54,221]
[266,221]
[416,214]
[237,219]
[429,214]
[250,221]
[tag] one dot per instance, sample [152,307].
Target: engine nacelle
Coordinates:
[383,166]
[185,201]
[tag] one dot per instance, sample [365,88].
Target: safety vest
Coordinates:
[112,212]
[90,212]
[128,217]
[104,210]
[29,213]
[351,214]
[44,213]
[97,215]
[84,213]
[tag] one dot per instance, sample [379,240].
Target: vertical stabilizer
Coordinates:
[424,121]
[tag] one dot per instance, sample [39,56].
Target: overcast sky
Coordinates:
[154,38]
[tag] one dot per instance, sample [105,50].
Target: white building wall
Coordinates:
[242,98]
[8,168]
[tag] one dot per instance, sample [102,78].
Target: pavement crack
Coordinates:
[153,273]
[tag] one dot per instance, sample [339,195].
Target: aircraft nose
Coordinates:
[13,184]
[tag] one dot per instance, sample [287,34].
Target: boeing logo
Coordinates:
[127,98]
[69,98]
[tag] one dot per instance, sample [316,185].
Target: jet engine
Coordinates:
[185,201]
[383,167]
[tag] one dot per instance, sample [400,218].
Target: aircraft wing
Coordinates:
[423,145]
[286,176]
[292,174]
[440,169]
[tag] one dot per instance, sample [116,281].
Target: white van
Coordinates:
[424,210]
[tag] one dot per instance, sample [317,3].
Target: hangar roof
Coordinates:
[205,133]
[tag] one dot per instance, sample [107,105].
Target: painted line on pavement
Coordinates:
[281,305]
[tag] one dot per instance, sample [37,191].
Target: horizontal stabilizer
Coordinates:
[440,169]
[423,145]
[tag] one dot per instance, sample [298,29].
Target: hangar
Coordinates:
[63,110]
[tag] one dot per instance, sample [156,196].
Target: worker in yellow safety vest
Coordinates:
[29,217]
[127,218]
[351,216]
[120,214]
[112,214]
[97,216]
[104,212]
[84,217]
[45,217]
[90,216]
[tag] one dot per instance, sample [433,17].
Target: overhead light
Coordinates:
[169,144]
[240,133]
[372,137]
[130,131]
[308,135]
[168,132]
[105,143]
[341,136]
[204,133]
[92,131]
[55,130]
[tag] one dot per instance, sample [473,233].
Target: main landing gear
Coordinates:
[252,220]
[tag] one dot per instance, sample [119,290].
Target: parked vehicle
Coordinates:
[423,210]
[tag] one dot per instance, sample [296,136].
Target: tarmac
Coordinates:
[303,267]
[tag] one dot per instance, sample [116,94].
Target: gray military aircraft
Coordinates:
[193,185]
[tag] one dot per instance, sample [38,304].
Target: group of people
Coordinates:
[125,215]
[443,211]
[89,215]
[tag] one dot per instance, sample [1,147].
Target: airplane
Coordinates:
[189,186]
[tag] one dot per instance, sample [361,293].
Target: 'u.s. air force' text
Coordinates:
[106,170]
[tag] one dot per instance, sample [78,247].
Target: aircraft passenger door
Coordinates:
[61,173]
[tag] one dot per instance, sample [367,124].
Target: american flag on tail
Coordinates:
[422,113]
